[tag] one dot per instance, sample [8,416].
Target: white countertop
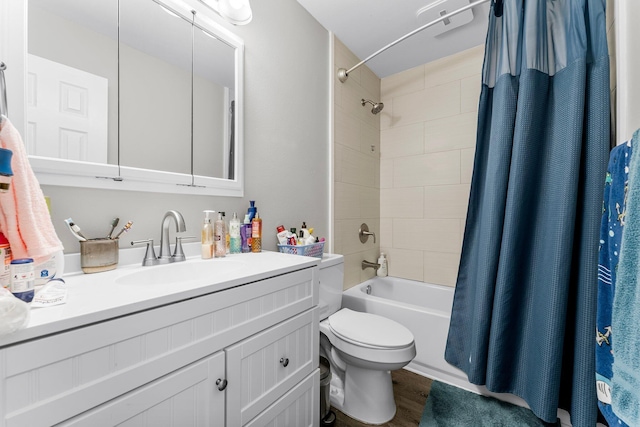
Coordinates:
[100,296]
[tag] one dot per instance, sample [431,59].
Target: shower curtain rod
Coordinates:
[343,73]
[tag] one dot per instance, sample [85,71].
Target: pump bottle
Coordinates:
[383,269]
[207,236]
[219,241]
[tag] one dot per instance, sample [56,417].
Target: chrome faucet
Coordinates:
[165,256]
[367,264]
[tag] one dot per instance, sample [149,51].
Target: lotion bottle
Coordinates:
[382,270]
[207,236]
[234,235]
[219,241]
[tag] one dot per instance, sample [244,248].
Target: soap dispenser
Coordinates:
[207,236]
[382,270]
[219,240]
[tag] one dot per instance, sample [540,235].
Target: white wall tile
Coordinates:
[386,173]
[470,88]
[408,109]
[402,202]
[369,136]
[408,81]
[435,235]
[386,233]
[402,141]
[338,162]
[454,67]
[466,164]
[407,264]
[446,201]
[346,129]
[441,268]
[370,82]
[347,201]
[358,168]
[442,101]
[427,169]
[351,270]
[450,133]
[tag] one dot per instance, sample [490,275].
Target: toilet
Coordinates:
[362,349]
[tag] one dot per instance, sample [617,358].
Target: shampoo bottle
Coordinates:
[383,270]
[256,234]
[252,210]
[235,241]
[219,245]
[207,236]
[245,235]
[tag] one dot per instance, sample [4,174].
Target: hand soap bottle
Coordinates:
[207,236]
[382,270]
[219,241]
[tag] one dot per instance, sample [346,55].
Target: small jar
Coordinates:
[22,279]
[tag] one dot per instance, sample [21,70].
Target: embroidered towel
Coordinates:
[613,219]
[24,217]
[625,383]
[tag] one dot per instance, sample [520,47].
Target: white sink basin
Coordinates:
[181,272]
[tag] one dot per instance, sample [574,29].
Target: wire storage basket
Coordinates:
[313,250]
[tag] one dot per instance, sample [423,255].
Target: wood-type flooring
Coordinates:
[410,391]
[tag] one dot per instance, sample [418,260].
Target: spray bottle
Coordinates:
[234,235]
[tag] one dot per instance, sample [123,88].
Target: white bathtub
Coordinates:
[425,309]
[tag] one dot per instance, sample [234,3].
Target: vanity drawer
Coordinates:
[298,407]
[264,367]
[51,379]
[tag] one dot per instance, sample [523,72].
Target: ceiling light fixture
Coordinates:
[237,12]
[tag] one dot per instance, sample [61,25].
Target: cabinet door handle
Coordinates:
[222,384]
[284,362]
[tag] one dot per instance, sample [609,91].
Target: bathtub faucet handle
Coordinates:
[364,233]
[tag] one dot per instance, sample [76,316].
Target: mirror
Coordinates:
[148,94]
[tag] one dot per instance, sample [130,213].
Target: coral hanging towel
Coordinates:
[24,217]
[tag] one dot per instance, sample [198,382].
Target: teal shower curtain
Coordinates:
[523,318]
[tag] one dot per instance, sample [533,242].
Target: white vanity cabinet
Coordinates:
[247,355]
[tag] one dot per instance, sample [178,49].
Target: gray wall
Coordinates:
[286,141]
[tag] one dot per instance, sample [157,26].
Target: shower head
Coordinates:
[377,106]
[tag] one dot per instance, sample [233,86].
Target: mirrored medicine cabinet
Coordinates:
[129,94]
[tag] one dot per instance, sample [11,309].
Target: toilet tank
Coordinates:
[331,282]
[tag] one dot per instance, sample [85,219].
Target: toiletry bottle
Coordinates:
[304,230]
[256,234]
[245,235]
[219,246]
[382,270]
[5,262]
[252,210]
[293,237]
[281,234]
[235,242]
[207,236]
[227,236]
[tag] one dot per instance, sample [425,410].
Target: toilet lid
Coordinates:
[369,329]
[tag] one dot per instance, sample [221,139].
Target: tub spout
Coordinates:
[367,264]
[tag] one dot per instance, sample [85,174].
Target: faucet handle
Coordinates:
[178,253]
[150,254]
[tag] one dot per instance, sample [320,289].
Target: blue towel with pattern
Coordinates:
[613,220]
[625,318]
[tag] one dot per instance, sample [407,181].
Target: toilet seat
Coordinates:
[369,330]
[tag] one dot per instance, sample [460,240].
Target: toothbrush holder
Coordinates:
[97,255]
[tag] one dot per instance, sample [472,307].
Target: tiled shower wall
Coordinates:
[356,165]
[421,163]
[427,137]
